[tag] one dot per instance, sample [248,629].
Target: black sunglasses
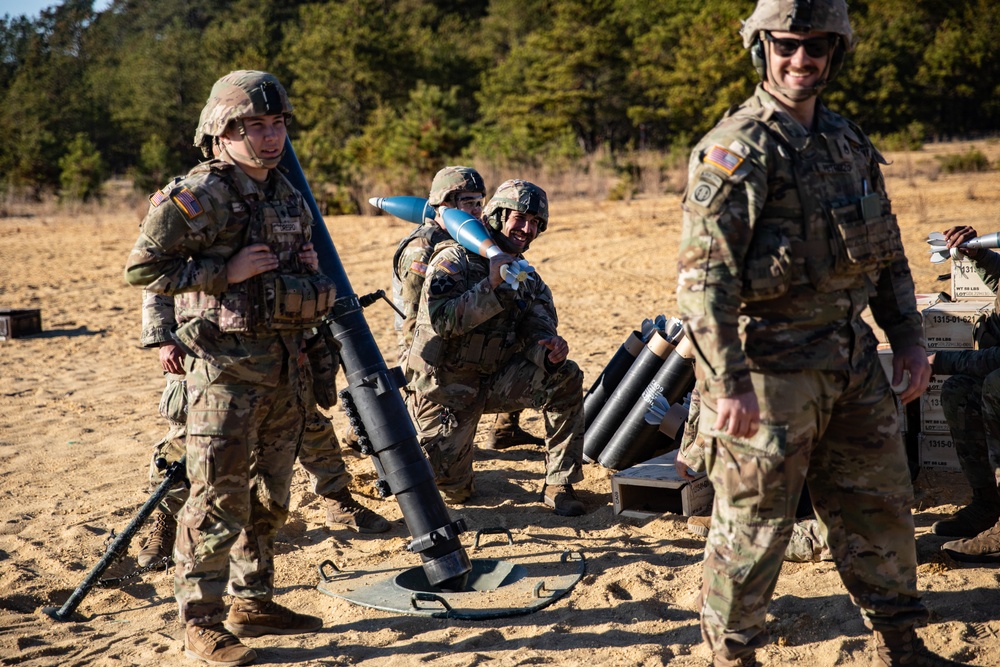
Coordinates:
[816,47]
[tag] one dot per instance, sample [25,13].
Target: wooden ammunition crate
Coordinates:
[654,487]
[17,323]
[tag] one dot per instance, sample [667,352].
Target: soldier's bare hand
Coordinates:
[496,262]
[250,261]
[683,467]
[912,359]
[558,349]
[171,358]
[309,256]
[958,235]
[739,415]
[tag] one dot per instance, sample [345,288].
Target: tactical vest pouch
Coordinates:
[427,345]
[885,239]
[854,253]
[867,238]
[484,354]
[234,311]
[767,271]
[300,301]
[230,311]
[323,351]
[173,402]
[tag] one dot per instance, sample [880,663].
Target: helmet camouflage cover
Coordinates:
[800,16]
[454,179]
[518,195]
[239,94]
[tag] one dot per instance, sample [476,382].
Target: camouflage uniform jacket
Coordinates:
[409,267]
[978,363]
[194,225]
[466,330]
[787,237]
[158,322]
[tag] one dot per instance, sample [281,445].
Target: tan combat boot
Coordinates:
[903,648]
[983,548]
[974,518]
[562,499]
[507,432]
[159,544]
[342,510]
[215,645]
[459,496]
[253,618]
[699,525]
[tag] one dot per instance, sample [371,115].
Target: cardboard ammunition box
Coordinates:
[949,325]
[937,452]
[936,382]
[932,414]
[966,283]
[654,487]
[923,301]
[17,323]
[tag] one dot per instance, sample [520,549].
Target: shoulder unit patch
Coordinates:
[188,203]
[723,158]
[706,188]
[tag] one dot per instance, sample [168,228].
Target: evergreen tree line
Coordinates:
[388,91]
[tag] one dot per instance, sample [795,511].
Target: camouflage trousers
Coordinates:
[319,453]
[241,446]
[447,434]
[972,409]
[838,433]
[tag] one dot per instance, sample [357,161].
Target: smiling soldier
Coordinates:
[481,346]
[788,235]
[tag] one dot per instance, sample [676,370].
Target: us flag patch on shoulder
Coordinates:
[188,203]
[723,158]
[157,198]
[448,267]
[418,267]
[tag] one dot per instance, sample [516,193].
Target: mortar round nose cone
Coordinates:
[374,201]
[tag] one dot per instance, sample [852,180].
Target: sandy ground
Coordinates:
[78,417]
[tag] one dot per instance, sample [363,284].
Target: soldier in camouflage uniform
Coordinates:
[788,234]
[319,453]
[480,346]
[452,187]
[231,242]
[971,401]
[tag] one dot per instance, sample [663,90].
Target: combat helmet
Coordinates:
[801,16]
[238,95]
[450,180]
[517,195]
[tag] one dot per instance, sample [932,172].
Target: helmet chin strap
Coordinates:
[252,154]
[798,94]
[498,235]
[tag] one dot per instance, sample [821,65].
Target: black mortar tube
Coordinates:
[635,439]
[611,377]
[375,390]
[624,396]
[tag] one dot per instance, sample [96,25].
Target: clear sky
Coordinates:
[33,7]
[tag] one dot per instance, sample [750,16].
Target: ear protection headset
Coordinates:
[801,22]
